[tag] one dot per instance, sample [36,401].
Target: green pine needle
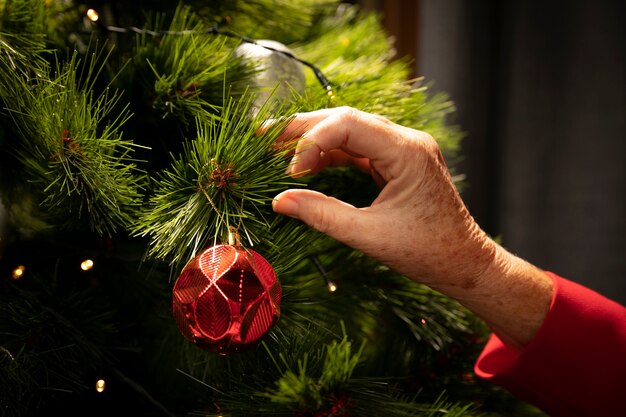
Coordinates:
[314,373]
[329,370]
[226,177]
[209,169]
[72,151]
[356,54]
[181,75]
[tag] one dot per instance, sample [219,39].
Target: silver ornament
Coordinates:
[279,76]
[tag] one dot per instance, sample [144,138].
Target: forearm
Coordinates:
[512,296]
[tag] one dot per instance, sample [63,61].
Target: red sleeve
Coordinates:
[576,363]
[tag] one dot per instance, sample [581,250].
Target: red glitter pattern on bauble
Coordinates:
[226,299]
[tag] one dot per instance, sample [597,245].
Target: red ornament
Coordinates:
[226,298]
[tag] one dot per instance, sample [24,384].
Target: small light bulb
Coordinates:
[93,15]
[331,286]
[330,93]
[423,321]
[86,265]
[18,272]
[100,385]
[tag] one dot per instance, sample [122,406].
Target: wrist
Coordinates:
[513,297]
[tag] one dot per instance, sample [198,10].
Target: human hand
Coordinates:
[418,224]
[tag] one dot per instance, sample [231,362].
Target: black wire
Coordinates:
[215,30]
[318,264]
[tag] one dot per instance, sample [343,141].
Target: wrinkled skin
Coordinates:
[418,224]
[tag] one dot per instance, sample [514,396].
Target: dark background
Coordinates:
[539,89]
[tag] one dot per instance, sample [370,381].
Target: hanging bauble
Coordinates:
[226,298]
[276,69]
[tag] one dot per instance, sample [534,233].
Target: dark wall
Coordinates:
[540,90]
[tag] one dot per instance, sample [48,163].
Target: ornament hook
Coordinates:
[233,237]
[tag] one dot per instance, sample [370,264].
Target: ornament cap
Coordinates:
[233,237]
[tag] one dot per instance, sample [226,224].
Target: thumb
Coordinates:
[337,219]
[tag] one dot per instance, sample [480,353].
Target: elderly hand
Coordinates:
[418,224]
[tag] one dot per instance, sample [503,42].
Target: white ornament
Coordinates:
[279,75]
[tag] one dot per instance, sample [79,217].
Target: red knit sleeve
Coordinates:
[576,363]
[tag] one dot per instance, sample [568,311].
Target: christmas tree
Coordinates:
[133,166]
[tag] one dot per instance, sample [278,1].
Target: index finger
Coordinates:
[357,133]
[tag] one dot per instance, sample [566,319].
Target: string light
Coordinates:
[214,30]
[93,15]
[18,272]
[332,287]
[86,265]
[423,321]
[100,385]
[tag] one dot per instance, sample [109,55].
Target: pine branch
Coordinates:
[23,17]
[19,58]
[54,340]
[328,371]
[226,177]
[371,401]
[285,21]
[72,151]
[309,373]
[365,75]
[376,303]
[181,73]
[22,44]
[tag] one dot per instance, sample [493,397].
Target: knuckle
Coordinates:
[425,150]
[347,114]
[433,151]
[428,140]
[429,144]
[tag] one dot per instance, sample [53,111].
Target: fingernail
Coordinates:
[291,168]
[264,126]
[267,123]
[286,206]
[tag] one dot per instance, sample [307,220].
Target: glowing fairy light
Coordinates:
[93,15]
[332,287]
[18,272]
[86,265]
[100,385]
